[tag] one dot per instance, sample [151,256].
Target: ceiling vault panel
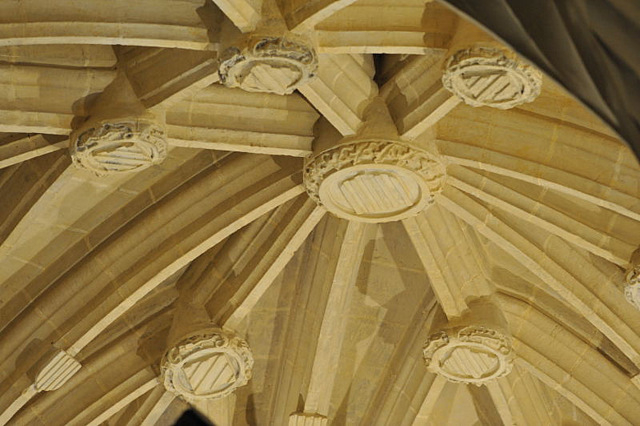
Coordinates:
[309,213]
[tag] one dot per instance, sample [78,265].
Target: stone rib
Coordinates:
[452,269]
[536,212]
[541,175]
[341,91]
[149,23]
[571,280]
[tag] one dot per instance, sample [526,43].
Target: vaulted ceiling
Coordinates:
[297,180]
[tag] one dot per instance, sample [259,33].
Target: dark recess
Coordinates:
[591,47]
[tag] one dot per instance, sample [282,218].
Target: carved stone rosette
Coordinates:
[632,286]
[374,181]
[482,76]
[209,364]
[472,355]
[273,64]
[115,146]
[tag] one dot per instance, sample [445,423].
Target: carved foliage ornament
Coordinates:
[483,76]
[209,364]
[119,146]
[374,181]
[473,355]
[632,287]
[273,64]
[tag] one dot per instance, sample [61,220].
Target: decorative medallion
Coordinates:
[374,181]
[119,146]
[483,76]
[58,370]
[632,287]
[208,364]
[273,64]
[474,355]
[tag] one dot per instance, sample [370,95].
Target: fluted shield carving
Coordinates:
[374,181]
[208,364]
[472,355]
[57,371]
[273,64]
[119,146]
[306,419]
[483,76]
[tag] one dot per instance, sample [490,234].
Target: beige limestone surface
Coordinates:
[305,213]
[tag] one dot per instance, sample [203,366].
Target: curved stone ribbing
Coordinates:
[114,146]
[166,220]
[208,364]
[483,76]
[374,181]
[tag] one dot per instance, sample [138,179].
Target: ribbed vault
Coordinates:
[328,204]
